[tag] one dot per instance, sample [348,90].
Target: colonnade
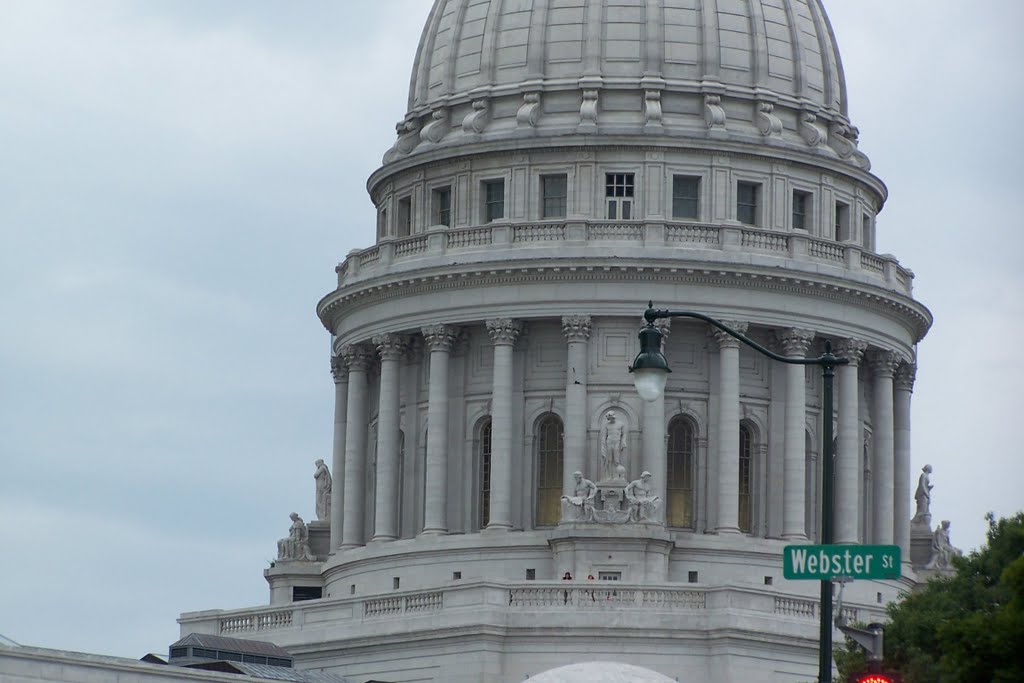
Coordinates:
[892,387]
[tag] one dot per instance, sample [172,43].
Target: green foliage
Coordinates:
[967,628]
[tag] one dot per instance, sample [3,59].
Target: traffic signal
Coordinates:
[873,678]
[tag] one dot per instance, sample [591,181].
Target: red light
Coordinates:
[874,678]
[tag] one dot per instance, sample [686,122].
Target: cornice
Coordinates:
[375,291]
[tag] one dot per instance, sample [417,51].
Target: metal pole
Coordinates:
[828,372]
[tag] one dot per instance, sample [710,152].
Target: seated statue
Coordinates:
[580,506]
[942,550]
[296,546]
[643,505]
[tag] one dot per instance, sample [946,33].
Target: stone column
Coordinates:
[439,340]
[358,359]
[385,526]
[903,388]
[577,334]
[847,471]
[654,436]
[504,332]
[795,343]
[728,428]
[883,367]
[340,374]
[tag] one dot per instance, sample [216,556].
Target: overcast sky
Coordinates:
[178,180]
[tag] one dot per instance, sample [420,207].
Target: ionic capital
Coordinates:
[726,340]
[504,331]
[906,373]
[851,348]
[794,341]
[439,337]
[883,363]
[576,327]
[338,369]
[390,346]
[357,357]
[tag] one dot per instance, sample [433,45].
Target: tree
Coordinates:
[965,628]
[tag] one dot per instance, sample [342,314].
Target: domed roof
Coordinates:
[783,47]
[600,672]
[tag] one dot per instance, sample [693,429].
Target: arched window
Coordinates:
[549,470]
[679,479]
[485,473]
[746,474]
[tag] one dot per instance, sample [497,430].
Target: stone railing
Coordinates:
[635,238]
[463,599]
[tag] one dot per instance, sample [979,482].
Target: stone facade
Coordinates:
[558,168]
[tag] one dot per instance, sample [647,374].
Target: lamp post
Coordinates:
[650,374]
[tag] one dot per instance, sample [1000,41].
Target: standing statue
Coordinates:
[296,546]
[942,550]
[923,496]
[613,445]
[323,491]
[581,503]
[642,505]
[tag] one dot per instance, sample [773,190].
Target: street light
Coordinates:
[650,374]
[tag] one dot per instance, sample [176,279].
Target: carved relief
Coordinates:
[439,337]
[296,545]
[906,373]
[338,369]
[357,357]
[843,139]
[726,340]
[529,111]
[767,122]
[614,433]
[477,119]
[438,126]
[504,330]
[408,137]
[390,346]
[714,114]
[794,341]
[576,327]
[588,110]
[883,363]
[852,349]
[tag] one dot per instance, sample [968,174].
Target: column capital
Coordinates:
[851,348]
[439,337]
[338,369]
[357,357]
[504,331]
[794,341]
[726,340]
[883,363]
[576,327]
[390,346]
[906,373]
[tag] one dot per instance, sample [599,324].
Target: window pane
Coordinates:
[443,206]
[612,213]
[801,202]
[494,199]
[627,209]
[554,190]
[746,203]
[744,484]
[549,470]
[680,473]
[685,193]
[485,474]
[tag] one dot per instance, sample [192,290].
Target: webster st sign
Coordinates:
[826,562]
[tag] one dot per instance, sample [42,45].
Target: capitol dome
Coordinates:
[600,672]
[503,500]
[752,71]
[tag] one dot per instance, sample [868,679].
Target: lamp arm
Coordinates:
[650,315]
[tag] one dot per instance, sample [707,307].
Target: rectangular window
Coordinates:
[554,192]
[685,197]
[494,200]
[531,574]
[842,221]
[801,209]
[609,576]
[441,206]
[865,232]
[306,593]
[382,223]
[405,217]
[747,199]
[619,192]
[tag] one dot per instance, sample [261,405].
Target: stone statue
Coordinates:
[923,496]
[613,445]
[642,505]
[580,506]
[296,546]
[323,491]
[942,550]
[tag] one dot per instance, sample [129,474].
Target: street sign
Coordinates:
[825,562]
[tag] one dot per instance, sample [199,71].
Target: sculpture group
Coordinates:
[612,500]
[930,549]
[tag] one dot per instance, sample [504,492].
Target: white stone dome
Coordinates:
[781,46]
[600,672]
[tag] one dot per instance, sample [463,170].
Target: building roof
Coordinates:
[276,673]
[251,647]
